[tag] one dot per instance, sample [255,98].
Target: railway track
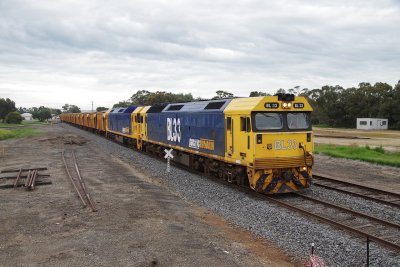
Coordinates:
[381,231]
[385,197]
[374,229]
[74,175]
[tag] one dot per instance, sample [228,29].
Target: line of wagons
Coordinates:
[262,142]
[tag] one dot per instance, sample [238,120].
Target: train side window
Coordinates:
[243,124]
[229,124]
[248,126]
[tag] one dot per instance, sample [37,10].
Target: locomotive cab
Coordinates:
[273,139]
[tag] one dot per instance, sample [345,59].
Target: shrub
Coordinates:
[13,117]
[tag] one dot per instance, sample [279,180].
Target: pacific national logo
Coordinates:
[201,143]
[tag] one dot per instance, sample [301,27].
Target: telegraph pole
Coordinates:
[92,105]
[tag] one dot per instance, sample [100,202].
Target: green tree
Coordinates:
[122,104]
[22,110]
[98,109]
[144,98]
[280,91]
[41,113]
[140,97]
[223,94]
[6,106]
[257,93]
[13,117]
[55,111]
[67,108]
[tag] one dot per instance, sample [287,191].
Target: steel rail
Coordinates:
[18,177]
[369,217]
[24,170]
[72,180]
[286,205]
[334,223]
[6,186]
[303,211]
[370,189]
[88,197]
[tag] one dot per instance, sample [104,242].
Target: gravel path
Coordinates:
[291,232]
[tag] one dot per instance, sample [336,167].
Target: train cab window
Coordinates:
[245,124]
[268,121]
[298,120]
[229,124]
[242,124]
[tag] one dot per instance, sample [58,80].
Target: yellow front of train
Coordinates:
[283,145]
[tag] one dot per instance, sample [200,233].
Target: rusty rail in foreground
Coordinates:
[72,180]
[84,195]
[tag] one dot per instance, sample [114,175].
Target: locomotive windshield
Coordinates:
[281,121]
[268,121]
[298,120]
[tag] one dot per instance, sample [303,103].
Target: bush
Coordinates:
[13,117]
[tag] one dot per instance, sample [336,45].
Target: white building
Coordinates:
[372,124]
[27,116]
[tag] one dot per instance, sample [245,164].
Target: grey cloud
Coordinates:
[197,46]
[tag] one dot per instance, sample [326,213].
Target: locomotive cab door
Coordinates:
[229,136]
[244,139]
[139,119]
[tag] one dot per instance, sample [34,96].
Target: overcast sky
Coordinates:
[57,52]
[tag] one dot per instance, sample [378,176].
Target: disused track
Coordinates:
[79,187]
[381,196]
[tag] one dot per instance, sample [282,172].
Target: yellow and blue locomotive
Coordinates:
[262,142]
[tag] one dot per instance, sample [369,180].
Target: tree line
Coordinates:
[334,106]
[10,114]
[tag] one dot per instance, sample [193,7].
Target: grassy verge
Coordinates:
[375,155]
[18,133]
[23,123]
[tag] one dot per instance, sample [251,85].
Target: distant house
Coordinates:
[27,116]
[372,124]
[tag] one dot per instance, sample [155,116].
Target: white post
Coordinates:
[168,156]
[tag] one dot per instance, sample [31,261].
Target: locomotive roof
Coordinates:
[249,104]
[198,106]
[123,110]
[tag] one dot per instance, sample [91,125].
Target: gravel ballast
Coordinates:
[291,232]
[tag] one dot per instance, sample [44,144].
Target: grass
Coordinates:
[18,133]
[322,125]
[374,155]
[23,123]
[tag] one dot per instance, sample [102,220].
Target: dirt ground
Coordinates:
[138,223]
[383,177]
[389,140]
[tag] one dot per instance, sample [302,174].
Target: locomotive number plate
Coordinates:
[298,105]
[271,105]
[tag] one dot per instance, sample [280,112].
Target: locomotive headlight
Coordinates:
[289,105]
[259,139]
[304,168]
[285,105]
